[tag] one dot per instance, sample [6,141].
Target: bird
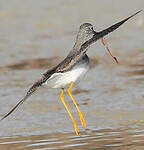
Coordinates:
[72,68]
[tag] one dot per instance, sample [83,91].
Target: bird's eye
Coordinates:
[91,28]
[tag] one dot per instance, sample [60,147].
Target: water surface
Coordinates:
[36,35]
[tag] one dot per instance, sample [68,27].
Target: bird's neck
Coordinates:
[77,46]
[80,39]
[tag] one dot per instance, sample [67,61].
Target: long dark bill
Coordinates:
[101,34]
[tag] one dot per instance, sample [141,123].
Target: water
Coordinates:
[97,139]
[36,37]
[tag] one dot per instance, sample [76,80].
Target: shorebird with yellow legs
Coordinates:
[73,67]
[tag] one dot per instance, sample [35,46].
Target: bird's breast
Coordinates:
[64,79]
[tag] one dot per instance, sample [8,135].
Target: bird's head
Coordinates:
[86,32]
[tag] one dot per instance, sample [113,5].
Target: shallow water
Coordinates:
[109,139]
[36,37]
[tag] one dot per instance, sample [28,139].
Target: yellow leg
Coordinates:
[74,123]
[80,113]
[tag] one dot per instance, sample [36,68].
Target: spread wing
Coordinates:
[99,35]
[70,60]
[34,87]
[28,94]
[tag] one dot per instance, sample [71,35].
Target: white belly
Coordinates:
[62,80]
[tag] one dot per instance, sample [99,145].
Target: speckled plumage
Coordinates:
[76,58]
